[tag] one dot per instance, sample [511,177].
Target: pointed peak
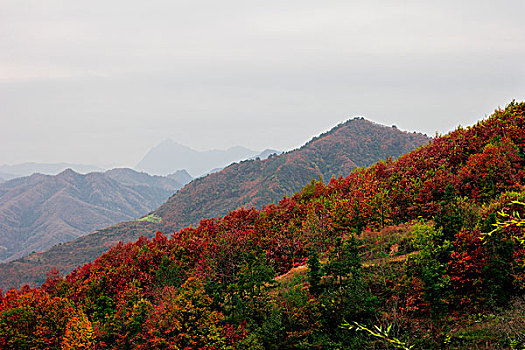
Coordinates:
[68,173]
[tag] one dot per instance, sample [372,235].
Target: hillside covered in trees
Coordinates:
[427,251]
[251,183]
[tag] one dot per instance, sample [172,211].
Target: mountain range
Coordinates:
[250,183]
[39,211]
[425,251]
[169,156]
[9,172]
[254,183]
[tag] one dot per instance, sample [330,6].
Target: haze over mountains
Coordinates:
[57,204]
[39,211]
[166,159]
[12,171]
[170,156]
[250,183]
[432,241]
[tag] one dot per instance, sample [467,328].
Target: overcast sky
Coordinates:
[101,82]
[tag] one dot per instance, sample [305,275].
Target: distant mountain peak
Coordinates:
[170,156]
[68,171]
[68,174]
[125,171]
[27,169]
[181,176]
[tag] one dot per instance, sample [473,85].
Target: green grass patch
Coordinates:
[151,218]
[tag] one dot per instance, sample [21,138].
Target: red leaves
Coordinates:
[497,169]
[33,319]
[124,292]
[466,266]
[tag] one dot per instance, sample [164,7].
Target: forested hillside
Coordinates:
[251,183]
[254,183]
[423,252]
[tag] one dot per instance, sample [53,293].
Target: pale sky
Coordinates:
[101,82]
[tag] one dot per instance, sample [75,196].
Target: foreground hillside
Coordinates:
[423,252]
[39,211]
[251,183]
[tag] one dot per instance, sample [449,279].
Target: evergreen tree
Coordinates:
[315,272]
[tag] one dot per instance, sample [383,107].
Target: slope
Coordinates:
[254,183]
[451,211]
[39,211]
[251,183]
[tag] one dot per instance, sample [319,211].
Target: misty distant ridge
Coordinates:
[170,156]
[39,211]
[42,204]
[29,169]
[180,176]
[266,153]
[11,171]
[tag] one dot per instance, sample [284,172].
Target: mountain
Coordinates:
[181,176]
[425,251]
[266,153]
[250,183]
[261,156]
[26,169]
[254,183]
[39,211]
[137,179]
[169,156]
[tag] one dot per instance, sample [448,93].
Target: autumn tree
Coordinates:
[79,334]
[183,319]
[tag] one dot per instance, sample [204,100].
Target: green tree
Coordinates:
[346,297]
[431,264]
[248,300]
[315,272]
